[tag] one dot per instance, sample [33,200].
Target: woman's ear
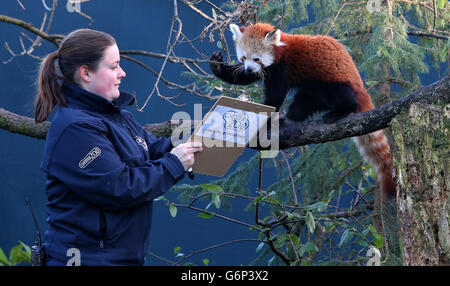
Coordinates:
[83,73]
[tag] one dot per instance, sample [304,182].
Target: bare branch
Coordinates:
[186,88]
[184,258]
[53,38]
[161,56]
[307,132]
[21,5]
[23,125]
[170,47]
[198,11]
[292,134]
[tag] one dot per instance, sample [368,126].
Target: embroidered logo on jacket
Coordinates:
[94,153]
[141,142]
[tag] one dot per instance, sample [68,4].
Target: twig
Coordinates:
[217,246]
[294,193]
[198,11]
[217,215]
[162,258]
[339,12]
[170,46]
[168,83]
[435,16]
[21,5]
[257,220]
[428,35]
[79,11]
[52,13]
[161,56]
[53,38]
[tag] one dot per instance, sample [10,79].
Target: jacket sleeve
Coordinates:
[86,161]
[158,147]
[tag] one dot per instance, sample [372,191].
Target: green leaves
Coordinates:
[308,247]
[18,254]
[260,246]
[3,259]
[177,251]
[310,223]
[266,197]
[216,192]
[205,215]
[345,237]
[320,206]
[212,188]
[173,210]
[378,239]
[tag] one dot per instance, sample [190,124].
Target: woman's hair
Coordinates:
[80,47]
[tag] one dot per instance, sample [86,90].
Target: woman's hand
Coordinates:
[185,152]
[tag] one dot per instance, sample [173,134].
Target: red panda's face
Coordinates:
[254,59]
[255,46]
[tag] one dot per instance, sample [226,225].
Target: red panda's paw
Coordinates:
[216,63]
[217,57]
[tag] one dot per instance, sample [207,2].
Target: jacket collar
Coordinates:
[82,99]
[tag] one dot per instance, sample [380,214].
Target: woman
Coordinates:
[103,169]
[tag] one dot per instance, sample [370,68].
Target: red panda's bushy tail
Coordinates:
[375,148]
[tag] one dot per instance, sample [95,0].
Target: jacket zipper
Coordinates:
[102,228]
[124,124]
[146,226]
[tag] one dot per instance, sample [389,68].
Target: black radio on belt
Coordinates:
[37,253]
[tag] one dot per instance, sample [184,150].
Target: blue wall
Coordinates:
[135,25]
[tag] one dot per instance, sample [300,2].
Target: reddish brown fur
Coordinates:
[324,59]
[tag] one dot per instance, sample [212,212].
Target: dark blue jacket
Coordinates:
[103,171]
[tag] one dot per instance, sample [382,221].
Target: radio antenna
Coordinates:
[27,200]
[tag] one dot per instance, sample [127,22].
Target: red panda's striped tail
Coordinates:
[375,148]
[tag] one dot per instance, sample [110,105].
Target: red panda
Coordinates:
[321,73]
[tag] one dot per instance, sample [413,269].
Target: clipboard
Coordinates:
[225,131]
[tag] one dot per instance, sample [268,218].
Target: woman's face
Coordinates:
[105,80]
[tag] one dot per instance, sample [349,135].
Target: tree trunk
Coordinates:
[421,165]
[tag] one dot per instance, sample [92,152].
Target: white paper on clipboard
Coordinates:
[225,131]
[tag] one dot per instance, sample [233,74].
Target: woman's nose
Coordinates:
[122,74]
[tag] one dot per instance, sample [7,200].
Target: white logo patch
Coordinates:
[141,142]
[94,153]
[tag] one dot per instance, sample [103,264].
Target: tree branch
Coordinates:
[23,125]
[307,132]
[54,39]
[292,133]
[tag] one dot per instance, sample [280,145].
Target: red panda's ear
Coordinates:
[274,37]
[237,33]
